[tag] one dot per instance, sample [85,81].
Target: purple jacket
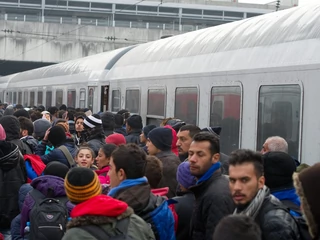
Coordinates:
[42,183]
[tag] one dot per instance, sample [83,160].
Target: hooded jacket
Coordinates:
[105,211]
[42,184]
[133,136]
[103,175]
[12,176]
[56,154]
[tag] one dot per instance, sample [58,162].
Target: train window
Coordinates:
[90,98]
[156,102]
[48,99]
[225,112]
[32,96]
[116,101]
[10,97]
[19,97]
[82,98]
[186,105]
[15,97]
[25,99]
[279,115]
[40,98]
[133,100]
[59,98]
[71,98]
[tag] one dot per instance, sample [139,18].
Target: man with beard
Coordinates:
[253,198]
[213,200]
[185,136]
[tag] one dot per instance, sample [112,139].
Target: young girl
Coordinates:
[85,157]
[102,162]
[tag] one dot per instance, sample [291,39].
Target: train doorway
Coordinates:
[104,98]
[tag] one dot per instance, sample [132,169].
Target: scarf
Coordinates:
[253,209]
[209,173]
[127,183]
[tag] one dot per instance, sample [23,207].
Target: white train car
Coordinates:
[255,78]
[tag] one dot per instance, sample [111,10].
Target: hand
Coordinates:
[47,134]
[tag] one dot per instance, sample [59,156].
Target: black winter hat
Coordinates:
[107,119]
[11,125]
[57,136]
[135,122]
[278,170]
[56,168]
[161,138]
[52,110]
[147,129]
[21,113]
[214,130]
[40,127]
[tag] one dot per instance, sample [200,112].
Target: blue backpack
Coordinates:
[161,220]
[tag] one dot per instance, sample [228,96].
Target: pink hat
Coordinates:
[116,139]
[2,133]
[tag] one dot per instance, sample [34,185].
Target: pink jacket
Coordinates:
[103,175]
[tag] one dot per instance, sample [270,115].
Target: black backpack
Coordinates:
[48,217]
[99,233]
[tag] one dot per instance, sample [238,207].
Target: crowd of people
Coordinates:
[70,174]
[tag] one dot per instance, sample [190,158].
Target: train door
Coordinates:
[104,98]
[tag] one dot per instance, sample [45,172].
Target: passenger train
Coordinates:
[255,78]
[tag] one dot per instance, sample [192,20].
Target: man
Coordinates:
[185,136]
[118,125]
[97,216]
[275,144]
[308,188]
[159,145]
[213,199]
[128,184]
[26,132]
[237,227]
[278,170]
[252,197]
[134,128]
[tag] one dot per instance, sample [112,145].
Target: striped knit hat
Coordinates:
[81,184]
[92,121]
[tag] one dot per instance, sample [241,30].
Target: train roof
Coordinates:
[285,38]
[87,65]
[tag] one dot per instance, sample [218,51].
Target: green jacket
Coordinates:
[138,229]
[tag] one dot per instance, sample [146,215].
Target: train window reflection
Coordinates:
[48,99]
[279,115]
[15,97]
[19,97]
[90,98]
[32,96]
[82,98]
[71,101]
[186,105]
[133,101]
[10,97]
[115,102]
[225,112]
[40,98]
[156,102]
[59,98]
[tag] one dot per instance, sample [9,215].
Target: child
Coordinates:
[85,157]
[103,160]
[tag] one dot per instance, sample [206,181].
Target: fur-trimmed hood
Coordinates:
[309,199]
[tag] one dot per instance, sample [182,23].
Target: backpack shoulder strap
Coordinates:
[67,154]
[37,196]
[291,206]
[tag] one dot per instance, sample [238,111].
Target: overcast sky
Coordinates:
[301,2]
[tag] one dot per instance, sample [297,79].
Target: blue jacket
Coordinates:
[56,154]
[290,195]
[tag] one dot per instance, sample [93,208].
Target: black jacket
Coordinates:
[133,137]
[275,222]
[213,202]
[170,163]
[12,175]
[183,208]
[121,131]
